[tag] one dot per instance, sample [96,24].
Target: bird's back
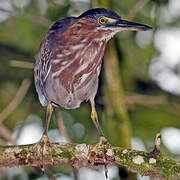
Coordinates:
[68,64]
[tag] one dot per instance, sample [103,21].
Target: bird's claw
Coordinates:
[41,148]
[101,150]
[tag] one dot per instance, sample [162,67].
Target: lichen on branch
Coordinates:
[153,164]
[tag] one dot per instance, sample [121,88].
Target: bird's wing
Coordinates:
[45,56]
[50,43]
[42,69]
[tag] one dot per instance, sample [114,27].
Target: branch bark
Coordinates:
[152,164]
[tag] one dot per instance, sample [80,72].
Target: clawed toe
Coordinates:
[42,148]
[101,151]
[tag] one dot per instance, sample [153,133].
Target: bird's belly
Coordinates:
[59,95]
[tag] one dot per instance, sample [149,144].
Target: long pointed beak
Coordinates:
[132,26]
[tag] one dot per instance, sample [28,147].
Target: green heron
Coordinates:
[69,60]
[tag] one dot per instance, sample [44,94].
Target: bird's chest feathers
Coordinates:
[76,64]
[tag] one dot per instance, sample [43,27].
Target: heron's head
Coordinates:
[108,23]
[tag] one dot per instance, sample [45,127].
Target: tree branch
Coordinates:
[137,8]
[11,107]
[16,100]
[152,164]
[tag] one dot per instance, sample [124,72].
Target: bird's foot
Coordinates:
[41,149]
[101,151]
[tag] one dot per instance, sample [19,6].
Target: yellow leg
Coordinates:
[103,143]
[94,118]
[49,112]
[44,144]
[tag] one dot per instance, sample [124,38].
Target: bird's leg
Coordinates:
[94,117]
[103,143]
[48,117]
[44,144]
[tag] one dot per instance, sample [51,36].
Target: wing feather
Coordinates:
[43,62]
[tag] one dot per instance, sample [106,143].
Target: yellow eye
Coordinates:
[102,20]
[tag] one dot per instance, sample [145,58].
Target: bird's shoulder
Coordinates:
[53,37]
[61,24]
[50,44]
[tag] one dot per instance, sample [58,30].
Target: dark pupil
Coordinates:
[102,20]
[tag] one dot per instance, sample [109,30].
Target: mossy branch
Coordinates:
[152,164]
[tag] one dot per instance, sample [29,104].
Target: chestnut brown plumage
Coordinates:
[69,60]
